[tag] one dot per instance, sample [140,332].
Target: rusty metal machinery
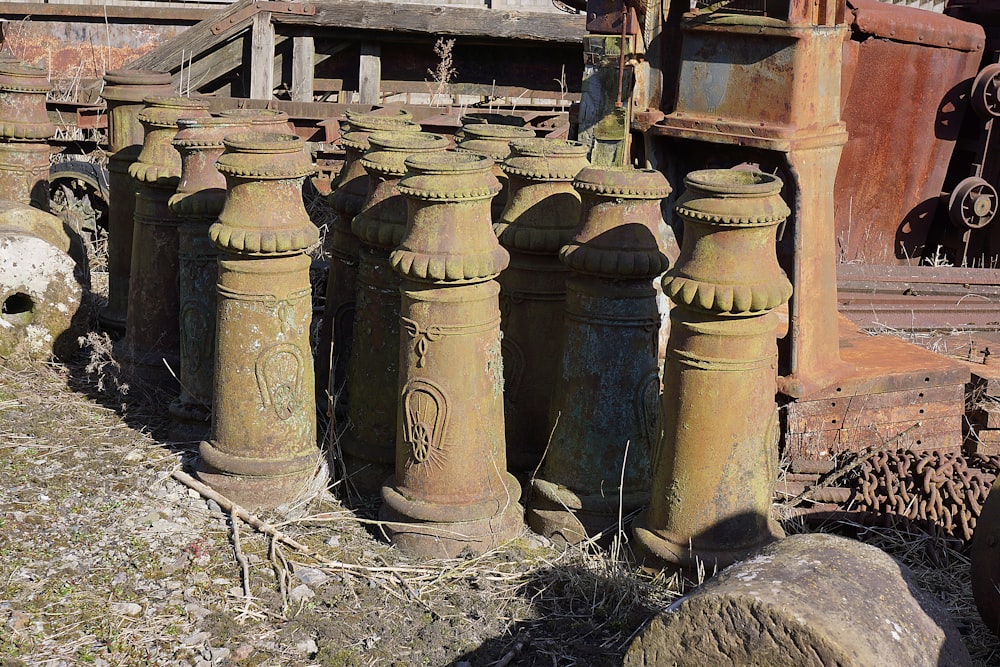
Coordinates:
[942,492]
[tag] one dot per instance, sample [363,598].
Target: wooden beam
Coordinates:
[450,20]
[121,13]
[261,57]
[197,39]
[370,73]
[303,68]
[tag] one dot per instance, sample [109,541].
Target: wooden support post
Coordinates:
[261,57]
[303,68]
[370,73]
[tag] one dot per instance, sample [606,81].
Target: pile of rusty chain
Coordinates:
[943,490]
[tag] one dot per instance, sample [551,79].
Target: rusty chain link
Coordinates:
[943,488]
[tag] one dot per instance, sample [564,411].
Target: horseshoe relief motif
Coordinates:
[425,418]
[279,372]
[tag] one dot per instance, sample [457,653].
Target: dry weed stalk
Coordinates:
[102,367]
[444,72]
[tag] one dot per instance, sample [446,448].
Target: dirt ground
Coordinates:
[107,559]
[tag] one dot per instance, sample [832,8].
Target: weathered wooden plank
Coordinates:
[196,39]
[370,73]
[65,10]
[442,20]
[303,68]
[261,57]
[226,58]
[482,89]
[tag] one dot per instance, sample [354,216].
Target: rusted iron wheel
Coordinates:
[973,204]
[986,92]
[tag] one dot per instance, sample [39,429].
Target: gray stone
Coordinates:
[805,601]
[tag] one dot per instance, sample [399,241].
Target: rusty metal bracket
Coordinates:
[303,9]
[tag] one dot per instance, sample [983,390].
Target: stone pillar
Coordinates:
[542,213]
[716,464]
[493,141]
[369,442]
[124,92]
[263,448]
[605,403]
[152,322]
[24,133]
[808,601]
[451,491]
[200,196]
[349,192]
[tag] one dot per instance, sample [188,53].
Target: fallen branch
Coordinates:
[235,510]
[238,551]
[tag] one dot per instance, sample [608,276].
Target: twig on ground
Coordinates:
[238,551]
[235,510]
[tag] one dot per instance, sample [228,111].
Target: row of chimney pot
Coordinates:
[486,305]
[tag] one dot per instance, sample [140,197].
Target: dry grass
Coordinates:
[106,559]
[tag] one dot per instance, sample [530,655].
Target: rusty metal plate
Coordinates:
[985,569]
[937,433]
[862,411]
[903,104]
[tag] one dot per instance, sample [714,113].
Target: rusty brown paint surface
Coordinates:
[263,446]
[73,49]
[605,399]
[451,490]
[541,214]
[369,442]
[903,105]
[715,466]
